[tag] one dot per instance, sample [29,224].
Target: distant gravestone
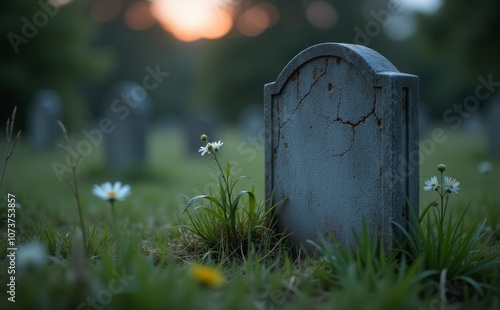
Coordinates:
[127,106]
[202,122]
[424,119]
[43,115]
[342,144]
[493,125]
[251,120]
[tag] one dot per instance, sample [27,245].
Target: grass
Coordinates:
[145,259]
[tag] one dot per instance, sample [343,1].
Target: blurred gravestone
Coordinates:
[424,119]
[473,124]
[204,122]
[127,106]
[342,144]
[43,115]
[251,120]
[493,124]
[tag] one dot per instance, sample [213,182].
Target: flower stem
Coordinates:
[442,193]
[226,181]
[80,214]
[229,198]
[441,220]
[113,214]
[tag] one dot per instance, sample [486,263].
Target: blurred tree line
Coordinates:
[461,42]
[82,58]
[44,46]
[448,52]
[235,68]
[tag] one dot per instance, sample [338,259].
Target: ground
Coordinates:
[144,260]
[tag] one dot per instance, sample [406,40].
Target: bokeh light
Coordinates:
[257,19]
[138,16]
[190,20]
[321,15]
[106,10]
[401,27]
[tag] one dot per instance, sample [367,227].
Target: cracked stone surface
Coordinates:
[340,126]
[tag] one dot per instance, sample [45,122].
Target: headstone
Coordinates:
[44,112]
[251,120]
[473,125]
[493,124]
[342,144]
[128,108]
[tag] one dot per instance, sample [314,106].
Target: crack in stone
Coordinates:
[350,145]
[316,79]
[379,121]
[361,120]
[352,125]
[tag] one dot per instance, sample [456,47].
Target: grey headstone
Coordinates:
[43,115]
[493,124]
[128,107]
[342,143]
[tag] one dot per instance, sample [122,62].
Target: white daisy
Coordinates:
[107,191]
[451,185]
[204,149]
[216,145]
[431,184]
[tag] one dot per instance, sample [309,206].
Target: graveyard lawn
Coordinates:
[144,262]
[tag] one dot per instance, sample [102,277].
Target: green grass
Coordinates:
[143,261]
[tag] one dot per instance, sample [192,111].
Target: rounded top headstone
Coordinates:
[367,61]
[341,145]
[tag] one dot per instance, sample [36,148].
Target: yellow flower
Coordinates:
[207,275]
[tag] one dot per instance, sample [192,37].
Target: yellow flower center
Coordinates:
[112,194]
[207,275]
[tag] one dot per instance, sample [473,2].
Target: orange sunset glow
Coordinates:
[190,20]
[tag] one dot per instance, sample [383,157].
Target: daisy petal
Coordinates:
[110,192]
